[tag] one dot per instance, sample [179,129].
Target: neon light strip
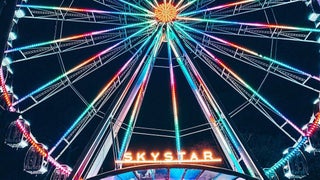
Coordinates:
[288,156]
[156,2]
[215,160]
[174,97]
[234,140]
[249,51]
[79,66]
[132,118]
[203,105]
[261,25]
[4,89]
[75,37]
[217,7]
[243,83]
[40,150]
[178,4]
[150,3]
[186,5]
[140,82]
[101,93]
[137,7]
[81,10]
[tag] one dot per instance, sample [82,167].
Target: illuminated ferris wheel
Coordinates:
[112,77]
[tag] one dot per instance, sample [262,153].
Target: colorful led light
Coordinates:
[181,8]
[173,96]
[218,61]
[248,51]
[202,84]
[80,65]
[217,7]
[81,10]
[101,93]
[137,7]
[4,89]
[282,161]
[39,148]
[260,25]
[140,84]
[94,33]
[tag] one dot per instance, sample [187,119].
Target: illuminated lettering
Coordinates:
[181,154]
[194,157]
[155,156]
[140,156]
[168,156]
[207,155]
[127,156]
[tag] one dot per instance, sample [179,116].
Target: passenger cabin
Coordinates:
[34,162]
[14,136]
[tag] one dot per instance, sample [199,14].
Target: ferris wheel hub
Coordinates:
[166,12]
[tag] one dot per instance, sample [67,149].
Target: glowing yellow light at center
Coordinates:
[165,13]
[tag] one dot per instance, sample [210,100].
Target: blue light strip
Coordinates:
[91,105]
[140,84]
[41,88]
[201,101]
[174,98]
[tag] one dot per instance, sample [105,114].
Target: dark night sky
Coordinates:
[50,119]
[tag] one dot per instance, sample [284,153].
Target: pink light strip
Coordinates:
[218,61]
[94,33]
[228,43]
[261,25]
[85,10]
[217,7]
[40,150]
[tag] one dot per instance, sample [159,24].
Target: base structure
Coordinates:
[172,171]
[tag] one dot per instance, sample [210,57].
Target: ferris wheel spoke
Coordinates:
[286,71]
[76,76]
[64,10]
[41,88]
[180,7]
[218,7]
[115,5]
[250,7]
[80,15]
[221,118]
[227,147]
[133,118]
[137,7]
[241,81]
[248,24]
[74,37]
[98,161]
[68,46]
[150,3]
[250,97]
[260,32]
[302,80]
[139,88]
[173,94]
[116,81]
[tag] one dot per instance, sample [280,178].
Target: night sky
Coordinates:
[50,119]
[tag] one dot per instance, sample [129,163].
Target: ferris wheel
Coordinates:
[110,77]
